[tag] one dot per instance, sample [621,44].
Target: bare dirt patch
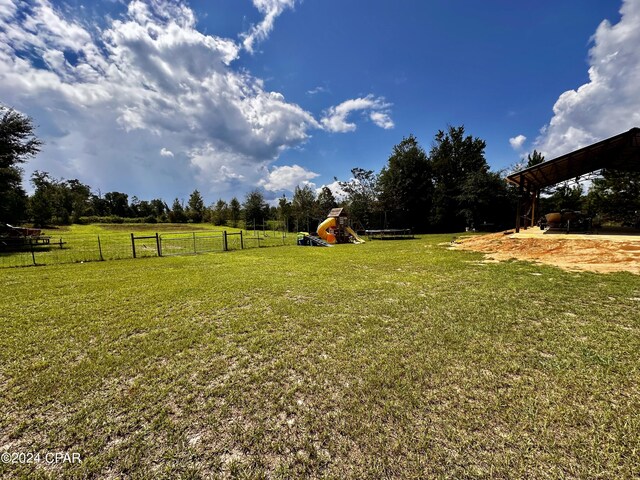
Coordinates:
[588,252]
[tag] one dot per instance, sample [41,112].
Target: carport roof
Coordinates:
[621,152]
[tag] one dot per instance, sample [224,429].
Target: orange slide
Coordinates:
[322,230]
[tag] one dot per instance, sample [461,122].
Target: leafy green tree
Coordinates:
[486,201]
[17,144]
[235,212]
[57,201]
[220,213]
[615,197]
[406,186]
[195,207]
[564,197]
[134,207]
[142,209]
[534,158]
[255,209]
[177,213]
[79,196]
[117,203]
[362,196]
[41,203]
[160,209]
[326,201]
[302,207]
[284,213]
[146,210]
[272,217]
[456,159]
[98,205]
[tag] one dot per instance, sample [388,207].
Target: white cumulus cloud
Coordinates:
[610,102]
[271,10]
[288,177]
[336,118]
[517,141]
[335,188]
[381,119]
[106,98]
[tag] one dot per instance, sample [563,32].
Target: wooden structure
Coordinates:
[340,229]
[620,152]
[11,237]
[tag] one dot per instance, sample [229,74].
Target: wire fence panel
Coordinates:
[76,247]
[113,246]
[145,246]
[177,246]
[191,243]
[16,258]
[271,239]
[209,243]
[235,241]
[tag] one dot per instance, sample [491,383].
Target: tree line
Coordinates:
[448,188]
[70,201]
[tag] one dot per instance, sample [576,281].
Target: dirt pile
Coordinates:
[596,253]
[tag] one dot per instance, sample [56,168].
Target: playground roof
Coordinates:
[337,212]
[620,152]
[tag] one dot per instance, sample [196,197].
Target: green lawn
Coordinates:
[86,243]
[391,359]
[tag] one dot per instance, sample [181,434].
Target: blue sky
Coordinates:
[157,98]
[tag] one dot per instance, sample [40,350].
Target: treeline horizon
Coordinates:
[451,188]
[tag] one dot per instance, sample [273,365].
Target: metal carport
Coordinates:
[620,152]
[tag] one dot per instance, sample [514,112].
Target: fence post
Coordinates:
[100,249]
[241,241]
[158,245]
[224,240]
[194,242]
[33,254]
[133,246]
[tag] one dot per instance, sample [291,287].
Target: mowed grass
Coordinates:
[86,243]
[392,359]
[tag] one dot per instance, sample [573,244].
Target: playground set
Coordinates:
[335,229]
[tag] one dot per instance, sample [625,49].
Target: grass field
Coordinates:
[392,359]
[87,243]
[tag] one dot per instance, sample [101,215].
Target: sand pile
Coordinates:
[596,253]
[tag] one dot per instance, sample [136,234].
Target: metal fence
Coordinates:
[191,243]
[115,246]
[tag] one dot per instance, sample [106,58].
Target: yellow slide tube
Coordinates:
[322,230]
